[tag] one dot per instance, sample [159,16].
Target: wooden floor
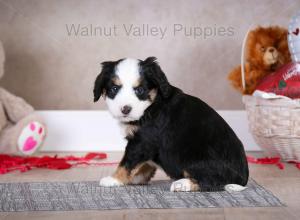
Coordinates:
[285,184]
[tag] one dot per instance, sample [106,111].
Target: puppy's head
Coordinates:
[130,86]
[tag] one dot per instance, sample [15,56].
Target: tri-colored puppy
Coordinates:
[169,129]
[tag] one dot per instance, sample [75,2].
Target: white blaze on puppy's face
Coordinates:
[127,72]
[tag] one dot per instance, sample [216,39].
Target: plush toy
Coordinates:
[284,82]
[266,51]
[22,131]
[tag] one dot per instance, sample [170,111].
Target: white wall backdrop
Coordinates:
[98,131]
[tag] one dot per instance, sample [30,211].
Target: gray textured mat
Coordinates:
[66,196]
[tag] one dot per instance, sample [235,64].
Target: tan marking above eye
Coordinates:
[116,81]
[137,83]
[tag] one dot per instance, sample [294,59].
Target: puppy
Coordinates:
[169,129]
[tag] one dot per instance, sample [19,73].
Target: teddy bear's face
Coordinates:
[268,48]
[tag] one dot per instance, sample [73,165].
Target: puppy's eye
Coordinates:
[139,90]
[114,89]
[262,49]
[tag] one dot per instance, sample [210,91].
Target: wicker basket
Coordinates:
[275,126]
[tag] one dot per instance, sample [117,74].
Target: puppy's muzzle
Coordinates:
[126,109]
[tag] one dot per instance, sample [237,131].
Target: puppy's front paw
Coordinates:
[110,181]
[184,185]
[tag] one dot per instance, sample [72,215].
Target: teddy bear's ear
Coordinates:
[284,34]
[2,59]
[279,32]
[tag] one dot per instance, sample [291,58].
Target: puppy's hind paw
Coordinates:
[184,185]
[234,188]
[110,181]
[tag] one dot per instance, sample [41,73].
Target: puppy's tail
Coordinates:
[234,188]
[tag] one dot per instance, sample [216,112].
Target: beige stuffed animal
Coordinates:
[22,131]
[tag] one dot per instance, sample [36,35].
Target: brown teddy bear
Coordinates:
[22,131]
[266,51]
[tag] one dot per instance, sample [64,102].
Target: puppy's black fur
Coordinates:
[182,134]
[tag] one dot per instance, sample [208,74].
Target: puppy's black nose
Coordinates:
[271,50]
[126,109]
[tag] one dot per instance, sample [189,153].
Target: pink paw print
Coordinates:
[31,138]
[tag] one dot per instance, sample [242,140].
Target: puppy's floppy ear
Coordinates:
[153,73]
[102,79]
